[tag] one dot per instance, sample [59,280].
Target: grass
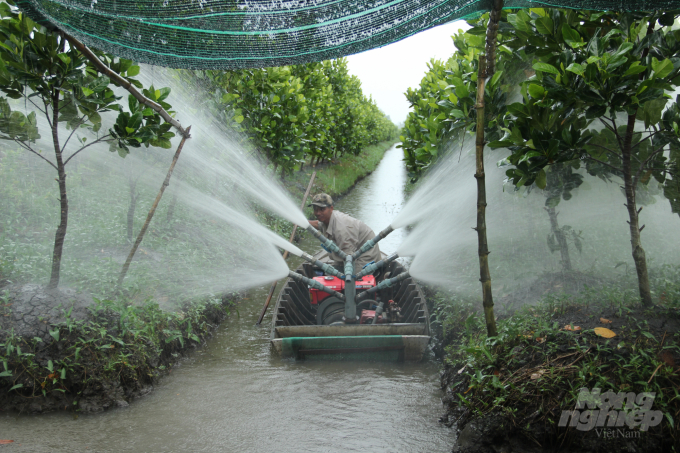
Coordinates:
[534,368]
[129,346]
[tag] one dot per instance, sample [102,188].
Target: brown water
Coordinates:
[233,396]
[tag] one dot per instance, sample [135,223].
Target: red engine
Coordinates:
[337,284]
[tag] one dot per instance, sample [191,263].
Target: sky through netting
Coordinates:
[230,34]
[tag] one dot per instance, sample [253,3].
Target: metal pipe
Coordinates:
[368,245]
[326,243]
[314,284]
[370,268]
[382,285]
[350,292]
[327,268]
[378,312]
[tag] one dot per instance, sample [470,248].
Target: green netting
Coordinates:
[229,34]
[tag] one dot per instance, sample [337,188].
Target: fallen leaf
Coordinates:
[540,339]
[667,358]
[605,321]
[5,441]
[467,391]
[606,333]
[496,373]
[537,375]
[461,370]
[572,328]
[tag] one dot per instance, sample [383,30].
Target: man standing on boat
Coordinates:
[348,233]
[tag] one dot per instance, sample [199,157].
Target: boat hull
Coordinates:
[295,333]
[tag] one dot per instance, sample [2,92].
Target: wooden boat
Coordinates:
[299,332]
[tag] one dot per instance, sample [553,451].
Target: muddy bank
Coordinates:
[63,351]
[511,393]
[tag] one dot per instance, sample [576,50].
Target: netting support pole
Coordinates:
[149,216]
[119,80]
[486,70]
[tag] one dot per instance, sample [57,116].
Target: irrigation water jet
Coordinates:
[443,242]
[192,248]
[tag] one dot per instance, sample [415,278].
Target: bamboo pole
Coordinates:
[149,216]
[485,70]
[285,255]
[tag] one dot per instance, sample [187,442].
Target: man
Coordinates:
[348,233]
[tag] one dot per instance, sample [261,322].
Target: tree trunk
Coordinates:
[629,185]
[171,207]
[483,247]
[63,200]
[131,209]
[561,239]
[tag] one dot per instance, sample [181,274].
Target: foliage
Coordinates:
[62,85]
[315,110]
[443,104]
[121,342]
[593,67]
[534,355]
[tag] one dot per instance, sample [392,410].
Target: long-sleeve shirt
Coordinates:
[349,234]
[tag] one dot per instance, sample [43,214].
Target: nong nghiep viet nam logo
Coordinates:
[612,410]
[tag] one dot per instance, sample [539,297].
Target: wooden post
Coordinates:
[285,255]
[149,216]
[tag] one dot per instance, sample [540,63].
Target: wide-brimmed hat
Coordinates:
[322,200]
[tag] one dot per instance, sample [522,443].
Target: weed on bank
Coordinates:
[114,356]
[531,379]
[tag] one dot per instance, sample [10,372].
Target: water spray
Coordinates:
[370,268]
[314,284]
[371,243]
[382,285]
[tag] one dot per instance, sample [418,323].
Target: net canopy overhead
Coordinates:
[230,34]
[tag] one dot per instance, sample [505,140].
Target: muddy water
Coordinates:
[233,396]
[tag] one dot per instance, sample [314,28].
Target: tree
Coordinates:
[610,70]
[62,85]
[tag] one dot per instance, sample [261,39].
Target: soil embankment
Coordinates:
[518,392]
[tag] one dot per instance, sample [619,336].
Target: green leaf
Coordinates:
[132,71]
[18,386]
[495,78]
[576,69]
[50,366]
[87,91]
[462,91]
[545,25]
[536,91]
[572,37]
[634,69]
[65,58]
[651,111]
[545,67]
[541,179]
[239,119]
[662,68]
[6,373]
